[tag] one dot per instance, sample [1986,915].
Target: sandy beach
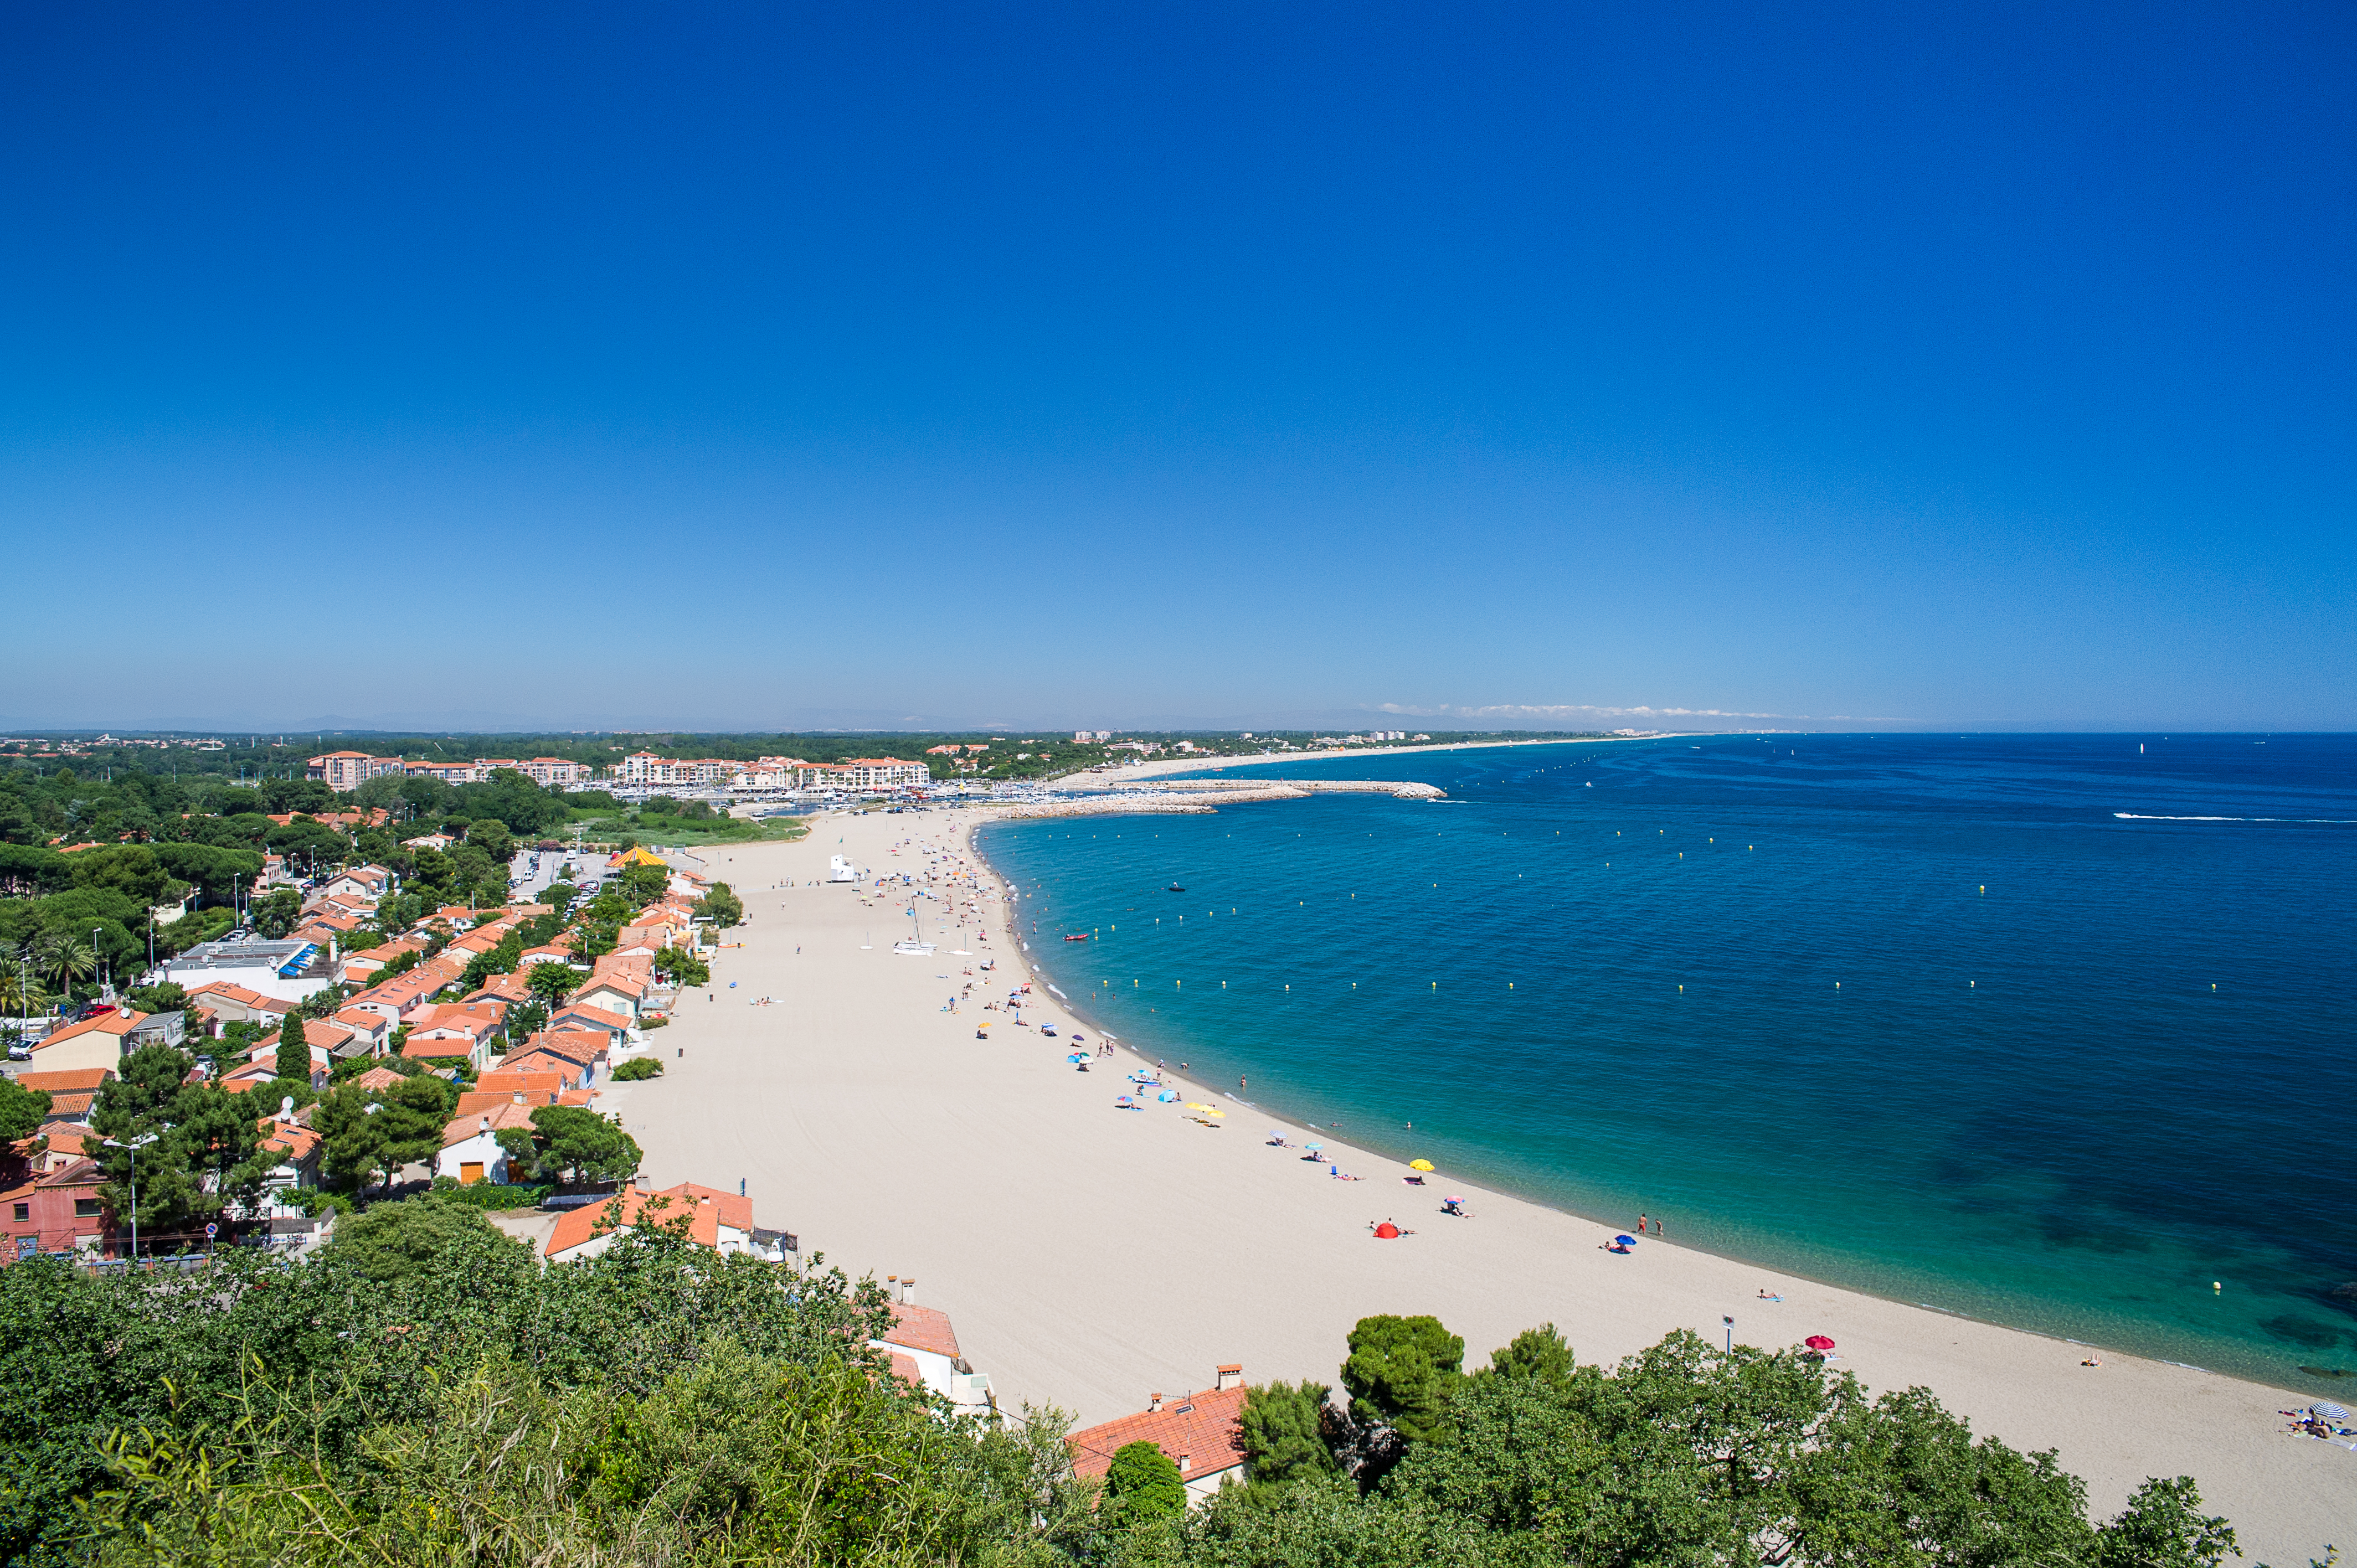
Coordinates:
[1090,1257]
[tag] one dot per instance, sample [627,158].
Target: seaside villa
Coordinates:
[1203,1434]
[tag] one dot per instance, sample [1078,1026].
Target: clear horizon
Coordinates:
[1181,368]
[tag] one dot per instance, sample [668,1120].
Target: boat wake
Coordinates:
[2305,821]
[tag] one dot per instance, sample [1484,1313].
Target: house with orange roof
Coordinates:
[97,1042]
[554,952]
[470,1144]
[372,1032]
[924,1350]
[537,1087]
[360,883]
[429,841]
[298,1150]
[224,1001]
[720,1220]
[571,1054]
[72,1093]
[1203,1434]
[377,1079]
[583,1017]
[615,991]
[510,989]
[359,965]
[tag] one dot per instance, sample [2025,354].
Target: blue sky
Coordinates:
[758,365]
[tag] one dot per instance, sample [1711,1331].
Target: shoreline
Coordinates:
[1087,1258]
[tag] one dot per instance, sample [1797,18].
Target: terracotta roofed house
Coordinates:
[921,1337]
[1203,1434]
[721,1221]
[97,1042]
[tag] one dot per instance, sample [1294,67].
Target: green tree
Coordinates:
[643,885]
[279,913]
[1401,1373]
[390,1241]
[204,1158]
[552,982]
[22,1110]
[638,1069]
[168,997]
[64,957]
[1141,1485]
[723,907]
[354,1139]
[1284,1432]
[2164,1527]
[492,836]
[1540,1353]
[582,1145]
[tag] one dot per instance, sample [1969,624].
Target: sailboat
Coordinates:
[916,946]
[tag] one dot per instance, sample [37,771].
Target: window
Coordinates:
[85,1209]
[24,1211]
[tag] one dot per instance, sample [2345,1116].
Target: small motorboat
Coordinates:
[1174,888]
[1082,938]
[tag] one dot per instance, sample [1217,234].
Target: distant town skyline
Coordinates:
[1205,367]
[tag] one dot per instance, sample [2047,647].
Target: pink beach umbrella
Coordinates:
[1818,1342]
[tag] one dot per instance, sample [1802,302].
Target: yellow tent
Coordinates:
[639,854]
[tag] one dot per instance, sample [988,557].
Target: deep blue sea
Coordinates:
[1926,1016]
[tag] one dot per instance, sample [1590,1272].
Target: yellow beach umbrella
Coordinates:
[1419,1165]
[1192,1105]
[1213,1110]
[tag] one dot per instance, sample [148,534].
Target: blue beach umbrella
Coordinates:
[1624,1241]
[1167,1095]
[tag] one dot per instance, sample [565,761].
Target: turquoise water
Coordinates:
[1951,1029]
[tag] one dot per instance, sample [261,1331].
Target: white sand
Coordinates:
[1089,1257]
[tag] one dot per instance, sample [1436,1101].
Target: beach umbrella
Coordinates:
[1167,1096]
[1275,1137]
[2328,1409]
[1623,1241]
[1214,1111]
[1387,1231]
[1123,1100]
[1818,1342]
[1419,1165]
[1313,1144]
[1194,1105]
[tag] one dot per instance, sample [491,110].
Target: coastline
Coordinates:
[1089,1256]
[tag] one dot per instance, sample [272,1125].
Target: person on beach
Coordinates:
[1657,1227]
[1641,1225]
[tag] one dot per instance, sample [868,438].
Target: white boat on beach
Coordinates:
[908,947]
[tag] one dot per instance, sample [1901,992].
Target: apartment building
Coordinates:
[344,771]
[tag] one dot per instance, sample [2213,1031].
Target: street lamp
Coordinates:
[93,952]
[1731,1333]
[134,1146]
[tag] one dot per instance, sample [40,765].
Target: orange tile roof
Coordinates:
[503,1116]
[379,1078]
[923,1329]
[74,1080]
[1205,1430]
[117,1022]
[230,990]
[510,1081]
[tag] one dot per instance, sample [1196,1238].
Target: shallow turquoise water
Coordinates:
[1947,1030]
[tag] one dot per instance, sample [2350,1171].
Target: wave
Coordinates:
[2305,821]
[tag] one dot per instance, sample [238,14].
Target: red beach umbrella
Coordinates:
[1386,1232]
[1818,1342]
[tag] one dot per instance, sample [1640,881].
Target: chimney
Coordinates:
[1228,1377]
[1154,1405]
[487,1123]
[1185,1460]
[909,1290]
[519,1097]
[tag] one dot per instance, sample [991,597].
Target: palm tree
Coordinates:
[66,959]
[22,994]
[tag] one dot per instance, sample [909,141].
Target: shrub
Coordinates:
[638,1068]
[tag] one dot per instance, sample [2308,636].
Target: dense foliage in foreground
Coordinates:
[424,1393]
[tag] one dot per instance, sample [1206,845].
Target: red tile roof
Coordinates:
[1202,1434]
[923,1329]
[81,1079]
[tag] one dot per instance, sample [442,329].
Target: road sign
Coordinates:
[211,1231]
